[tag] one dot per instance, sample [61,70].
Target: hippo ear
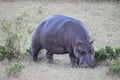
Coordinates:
[91,42]
[78,43]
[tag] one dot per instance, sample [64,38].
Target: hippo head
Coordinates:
[84,52]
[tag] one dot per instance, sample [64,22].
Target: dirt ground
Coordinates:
[102,19]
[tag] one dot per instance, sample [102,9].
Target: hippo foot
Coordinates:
[49,57]
[35,58]
[74,65]
[50,61]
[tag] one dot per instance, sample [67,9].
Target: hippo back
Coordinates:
[59,32]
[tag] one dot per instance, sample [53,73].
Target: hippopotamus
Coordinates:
[60,34]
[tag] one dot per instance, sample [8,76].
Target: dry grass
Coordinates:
[59,71]
[102,19]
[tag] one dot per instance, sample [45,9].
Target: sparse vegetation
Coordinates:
[101,55]
[14,69]
[117,51]
[114,67]
[2,52]
[28,50]
[111,53]
[105,53]
[113,56]
[13,32]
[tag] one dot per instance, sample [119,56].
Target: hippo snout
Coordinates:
[93,65]
[87,62]
[84,65]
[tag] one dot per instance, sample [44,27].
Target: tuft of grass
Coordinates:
[114,67]
[117,51]
[2,54]
[39,11]
[14,69]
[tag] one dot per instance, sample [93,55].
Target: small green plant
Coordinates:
[1,56]
[110,52]
[114,67]
[101,55]
[2,53]
[39,10]
[23,55]
[14,69]
[106,53]
[117,51]
[28,50]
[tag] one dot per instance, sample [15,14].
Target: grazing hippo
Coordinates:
[61,34]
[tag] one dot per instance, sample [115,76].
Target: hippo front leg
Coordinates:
[49,56]
[74,61]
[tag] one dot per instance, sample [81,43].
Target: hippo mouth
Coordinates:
[87,61]
[88,65]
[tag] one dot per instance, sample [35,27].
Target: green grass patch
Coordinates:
[14,69]
[107,53]
[114,67]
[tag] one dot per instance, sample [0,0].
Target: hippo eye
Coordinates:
[91,51]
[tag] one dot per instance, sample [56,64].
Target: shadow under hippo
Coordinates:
[61,34]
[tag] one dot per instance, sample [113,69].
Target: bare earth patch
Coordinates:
[102,19]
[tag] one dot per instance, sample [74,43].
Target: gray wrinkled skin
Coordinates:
[60,34]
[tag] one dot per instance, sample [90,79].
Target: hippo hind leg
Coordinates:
[35,50]
[49,57]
